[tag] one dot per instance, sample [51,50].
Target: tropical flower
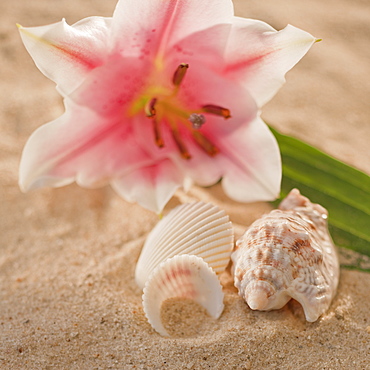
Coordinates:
[163,94]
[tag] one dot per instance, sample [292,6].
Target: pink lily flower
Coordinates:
[163,94]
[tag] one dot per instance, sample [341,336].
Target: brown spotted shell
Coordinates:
[286,254]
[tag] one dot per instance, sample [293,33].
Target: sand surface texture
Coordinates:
[68,299]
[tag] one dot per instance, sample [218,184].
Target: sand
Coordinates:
[68,299]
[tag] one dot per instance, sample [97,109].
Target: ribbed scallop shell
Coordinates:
[199,228]
[182,276]
[286,254]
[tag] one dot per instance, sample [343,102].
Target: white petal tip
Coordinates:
[22,188]
[44,181]
[26,184]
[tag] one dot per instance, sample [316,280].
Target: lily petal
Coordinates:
[80,145]
[253,168]
[206,47]
[151,186]
[260,56]
[109,89]
[161,23]
[65,53]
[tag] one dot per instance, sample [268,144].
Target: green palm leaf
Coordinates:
[341,189]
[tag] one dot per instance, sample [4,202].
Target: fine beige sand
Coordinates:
[68,299]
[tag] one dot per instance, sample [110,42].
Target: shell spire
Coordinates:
[286,254]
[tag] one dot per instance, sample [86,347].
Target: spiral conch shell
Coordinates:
[286,254]
[182,256]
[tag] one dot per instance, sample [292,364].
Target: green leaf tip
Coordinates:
[343,190]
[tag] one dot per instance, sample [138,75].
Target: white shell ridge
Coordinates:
[286,254]
[182,276]
[199,228]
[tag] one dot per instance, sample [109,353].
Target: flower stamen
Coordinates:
[150,107]
[217,110]
[179,74]
[157,133]
[205,144]
[178,140]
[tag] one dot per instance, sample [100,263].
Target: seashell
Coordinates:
[286,254]
[182,276]
[193,228]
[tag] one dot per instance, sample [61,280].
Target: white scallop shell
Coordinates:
[193,228]
[182,276]
[286,254]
